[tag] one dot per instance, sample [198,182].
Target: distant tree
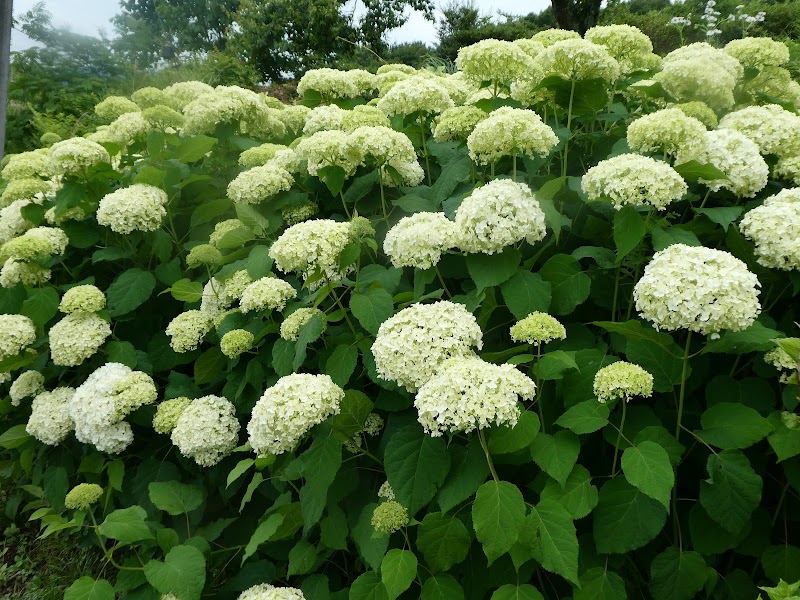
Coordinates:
[578,15]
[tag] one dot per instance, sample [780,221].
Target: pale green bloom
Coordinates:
[82,298]
[622,381]
[389,517]
[83,495]
[635,180]
[167,414]
[290,328]
[114,107]
[203,254]
[187,330]
[538,328]
[236,342]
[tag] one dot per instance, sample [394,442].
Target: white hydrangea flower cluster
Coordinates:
[364,115]
[230,104]
[259,183]
[294,117]
[12,223]
[493,60]
[188,329]
[178,95]
[328,117]
[455,124]
[699,289]
[125,129]
[139,207]
[529,46]
[700,111]
[82,496]
[28,274]
[259,155]
[386,492]
[29,188]
[206,430]
[26,385]
[82,298]
[538,328]
[412,345]
[267,293]
[329,148]
[75,155]
[699,50]
[50,421]
[148,96]
[468,393]
[701,72]
[19,332]
[289,409]
[222,228]
[168,412]
[100,404]
[773,227]
[419,240]
[417,94]
[758,52]
[498,214]
[626,44]
[734,154]
[24,165]
[389,517]
[35,243]
[509,132]
[265,591]
[577,59]
[668,131]
[290,328]
[312,247]
[780,359]
[328,83]
[236,342]
[773,128]
[622,381]
[548,37]
[163,118]
[635,180]
[76,337]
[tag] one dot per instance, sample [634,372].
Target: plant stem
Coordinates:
[425,150]
[341,306]
[619,437]
[616,294]
[514,168]
[383,198]
[538,398]
[344,205]
[482,440]
[683,385]
[569,126]
[441,280]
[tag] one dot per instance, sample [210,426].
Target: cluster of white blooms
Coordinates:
[259,155]
[18,333]
[203,254]
[758,52]
[35,163]
[364,115]
[236,342]
[163,117]
[312,247]
[327,117]
[297,213]
[734,154]
[634,179]
[50,421]
[148,96]
[294,117]
[222,228]
[168,412]
[267,293]
[773,128]
[207,430]
[780,359]
[28,274]
[493,60]
[700,50]
[329,148]
[773,227]
[34,243]
[82,298]
[498,214]
[289,409]
[27,385]
[699,289]
[389,517]
[77,337]
[700,111]
[125,129]
[178,95]
[548,37]
[188,329]
[628,45]
[701,72]
[622,381]
[290,328]
[75,213]
[265,591]
[259,183]
[75,155]
[530,47]
[385,491]
[140,207]
[419,240]
[538,328]
[416,95]
[385,147]
[455,124]
[469,393]
[231,104]
[100,404]
[83,495]
[666,131]
[216,299]
[12,223]
[577,59]
[29,188]
[328,83]
[412,345]
[509,132]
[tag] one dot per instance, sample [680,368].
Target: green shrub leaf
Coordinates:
[497,515]
[182,573]
[398,570]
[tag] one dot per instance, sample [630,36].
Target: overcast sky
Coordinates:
[91,16]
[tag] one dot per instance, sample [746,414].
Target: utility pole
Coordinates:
[6,12]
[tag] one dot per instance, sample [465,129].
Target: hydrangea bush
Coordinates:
[528,330]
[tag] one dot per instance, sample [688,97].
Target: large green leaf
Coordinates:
[194,148]
[525,293]
[398,570]
[128,291]
[443,540]
[183,573]
[732,491]
[442,587]
[625,518]
[126,525]
[372,308]
[504,439]
[174,497]
[556,454]
[629,230]
[511,591]
[302,558]
[341,364]
[578,496]
[585,417]
[416,465]
[677,575]
[570,286]
[555,544]
[497,515]
[756,338]
[782,562]
[88,588]
[663,362]
[41,305]
[600,584]
[730,426]
[368,586]
[318,466]
[262,533]
[647,466]
[468,471]
[488,270]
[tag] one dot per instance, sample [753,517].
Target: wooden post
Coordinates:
[6,12]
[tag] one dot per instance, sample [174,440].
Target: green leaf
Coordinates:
[263,533]
[368,586]
[353,412]
[416,465]
[625,519]
[316,587]
[122,352]
[372,308]
[488,270]
[334,177]
[629,230]
[665,439]
[208,365]
[240,469]
[784,441]
[194,148]
[452,174]
[310,332]
[88,588]
[497,515]
[14,437]
[578,496]
[570,286]
[693,170]
[730,426]
[253,220]
[341,364]
[126,525]
[235,238]
[41,305]
[370,547]
[648,468]
[660,361]
[733,490]
[398,570]
[510,591]
[781,562]
[708,537]
[555,544]
[585,417]
[361,186]
[467,472]
[756,338]
[556,454]
[443,540]
[183,573]
[525,293]
[318,466]
[676,575]
[175,498]
[553,365]
[600,584]
[442,587]
[301,558]
[505,440]
[723,215]
[663,238]
[129,291]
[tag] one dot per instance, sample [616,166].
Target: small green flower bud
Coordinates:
[236,342]
[82,496]
[389,517]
